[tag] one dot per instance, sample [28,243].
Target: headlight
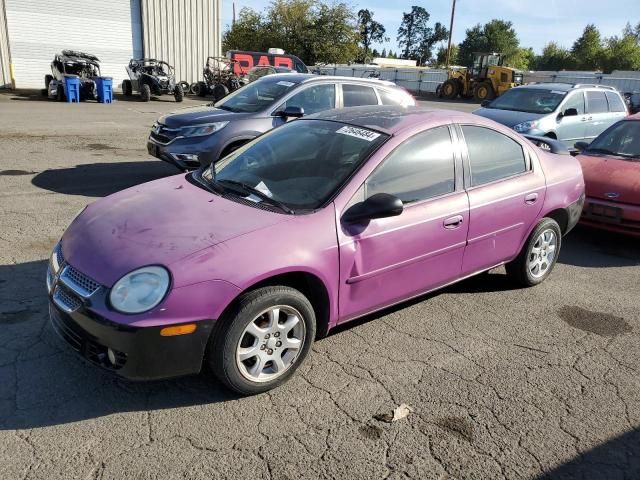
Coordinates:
[525,126]
[140,290]
[202,130]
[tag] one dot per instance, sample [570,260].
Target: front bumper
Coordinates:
[206,148]
[137,353]
[612,216]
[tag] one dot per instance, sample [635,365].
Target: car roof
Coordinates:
[393,119]
[566,87]
[309,77]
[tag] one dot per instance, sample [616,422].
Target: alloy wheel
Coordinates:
[543,253]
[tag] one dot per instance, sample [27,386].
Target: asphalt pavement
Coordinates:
[503,382]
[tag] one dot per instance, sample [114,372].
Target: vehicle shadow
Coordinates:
[27,95]
[591,248]
[45,383]
[102,179]
[617,458]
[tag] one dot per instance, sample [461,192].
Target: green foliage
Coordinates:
[622,53]
[416,37]
[313,30]
[441,55]
[369,30]
[587,50]
[554,57]
[494,36]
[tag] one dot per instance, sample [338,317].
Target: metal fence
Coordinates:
[425,80]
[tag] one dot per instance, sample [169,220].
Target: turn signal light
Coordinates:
[178,330]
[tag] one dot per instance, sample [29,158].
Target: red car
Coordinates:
[611,168]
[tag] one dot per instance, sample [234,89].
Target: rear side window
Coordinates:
[615,102]
[492,155]
[394,97]
[313,99]
[356,95]
[422,167]
[597,102]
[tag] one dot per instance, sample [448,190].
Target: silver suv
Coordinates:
[565,111]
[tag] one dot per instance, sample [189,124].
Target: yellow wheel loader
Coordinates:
[485,80]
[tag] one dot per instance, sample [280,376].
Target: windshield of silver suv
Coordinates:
[529,100]
[298,166]
[256,96]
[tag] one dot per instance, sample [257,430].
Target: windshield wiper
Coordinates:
[606,151]
[261,195]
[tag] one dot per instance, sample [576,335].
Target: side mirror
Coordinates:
[291,112]
[580,146]
[485,103]
[569,112]
[380,205]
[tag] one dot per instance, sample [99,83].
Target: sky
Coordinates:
[536,22]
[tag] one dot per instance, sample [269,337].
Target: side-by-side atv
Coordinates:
[151,77]
[71,63]
[219,78]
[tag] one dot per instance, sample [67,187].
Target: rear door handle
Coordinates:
[531,198]
[453,222]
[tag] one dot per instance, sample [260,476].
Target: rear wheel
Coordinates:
[145,93]
[126,88]
[483,91]
[262,341]
[219,91]
[47,81]
[538,256]
[450,89]
[178,93]
[202,89]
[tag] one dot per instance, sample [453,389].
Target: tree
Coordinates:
[495,36]
[587,50]
[554,57]
[630,31]
[313,30]
[415,36]
[441,56]
[622,53]
[384,53]
[370,31]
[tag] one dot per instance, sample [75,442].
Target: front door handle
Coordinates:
[453,222]
[531,198]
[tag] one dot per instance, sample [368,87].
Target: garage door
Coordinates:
[38,29]
[5,75]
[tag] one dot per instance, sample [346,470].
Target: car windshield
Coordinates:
[256,96]
[530,100]
[297,166]
[622,139]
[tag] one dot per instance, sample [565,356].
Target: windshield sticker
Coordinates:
[286,84]
[361,133]
[261,187]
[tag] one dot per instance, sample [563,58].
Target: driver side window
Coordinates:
[313,99]
[576,100]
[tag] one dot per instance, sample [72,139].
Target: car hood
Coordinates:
[199,115]
[605,177]
[507,117]
[156,223]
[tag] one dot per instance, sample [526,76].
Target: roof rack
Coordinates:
[593,85]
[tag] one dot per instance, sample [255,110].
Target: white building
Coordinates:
[180,32]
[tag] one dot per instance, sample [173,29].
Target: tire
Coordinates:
[127,88]
[60,96]
[178,93]
[185,86]
[145,92]
[450,89]
[202,89]
[483,91]
[231,335]
[194,88]
[219,91]
[47,81]
[546,234]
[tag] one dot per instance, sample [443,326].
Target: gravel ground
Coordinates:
[503,382]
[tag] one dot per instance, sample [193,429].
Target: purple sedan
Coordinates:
[241,265]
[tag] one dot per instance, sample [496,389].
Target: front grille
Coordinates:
[163,135]
[78,282]
[66,300]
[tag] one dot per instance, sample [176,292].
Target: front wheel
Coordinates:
[178,93]
[538,256]
[263,340]
[145,93]
[127,88]
[483,91]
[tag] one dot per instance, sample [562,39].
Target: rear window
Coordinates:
[395,97]
[597,102]
[357,95]
[615,102]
